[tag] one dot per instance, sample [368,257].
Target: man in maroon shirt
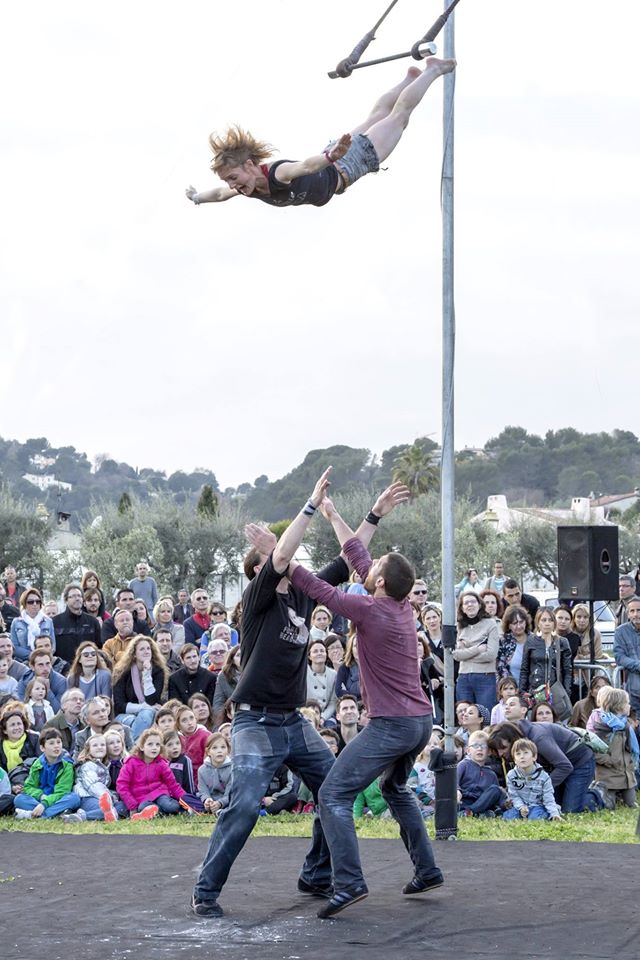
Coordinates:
[400,716]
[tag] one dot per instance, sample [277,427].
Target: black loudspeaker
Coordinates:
[588,564]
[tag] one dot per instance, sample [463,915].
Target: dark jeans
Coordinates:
[477,688]
[387,746]
[260,743]
[574,791]
[488,799]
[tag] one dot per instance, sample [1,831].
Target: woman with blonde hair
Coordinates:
[163,617]
[139,681]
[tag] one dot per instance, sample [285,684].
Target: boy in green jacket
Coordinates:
[371,797]
[48,790]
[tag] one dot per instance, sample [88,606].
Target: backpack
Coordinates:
[589,739]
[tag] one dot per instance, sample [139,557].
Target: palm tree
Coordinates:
[416,468]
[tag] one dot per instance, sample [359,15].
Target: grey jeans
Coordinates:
[386,748]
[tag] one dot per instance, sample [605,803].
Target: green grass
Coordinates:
[608,827]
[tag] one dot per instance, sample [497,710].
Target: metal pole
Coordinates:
[446,806]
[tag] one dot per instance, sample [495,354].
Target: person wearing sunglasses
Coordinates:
[419,593]
[30,624]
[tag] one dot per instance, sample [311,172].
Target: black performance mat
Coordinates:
[115,898]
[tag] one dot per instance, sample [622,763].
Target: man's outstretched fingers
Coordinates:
[261,538]
[395,494]
[321,488]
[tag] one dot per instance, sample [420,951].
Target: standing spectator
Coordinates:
[91,581]
[516,628]
[183,608]
[139,679]
[48,790]
[588,648]
[321,680]
[8,611]
[348,675]
[626,650]
[476,651]
[73,625]
[493,603]
[144,587]
[470,581]
[191,677]
[565,628]
[626,591]
[30,624]
[419,593]
[89,672]
[125,600]
[117,644]
[67,719]
[12,588]
[513,595]
[497,578]
[200,620]
[41,666]
[92,604]
[164,616]
[539,660]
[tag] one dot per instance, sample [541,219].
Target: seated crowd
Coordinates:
[106,715]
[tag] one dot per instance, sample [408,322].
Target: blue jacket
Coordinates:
[474,779]
[20,634]
[626,650]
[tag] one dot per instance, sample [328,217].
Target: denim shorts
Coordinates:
[361,158]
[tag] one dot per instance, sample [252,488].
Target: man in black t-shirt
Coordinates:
[267,728]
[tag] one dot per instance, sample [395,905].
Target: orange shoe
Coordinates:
[147,814]
[106,805]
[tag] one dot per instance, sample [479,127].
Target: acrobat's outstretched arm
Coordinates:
[217,195]
[300,168]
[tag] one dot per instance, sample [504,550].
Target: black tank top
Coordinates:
[314,188]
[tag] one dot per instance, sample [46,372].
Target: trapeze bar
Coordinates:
[420,52]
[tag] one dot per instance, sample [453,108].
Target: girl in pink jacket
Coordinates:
[146,783]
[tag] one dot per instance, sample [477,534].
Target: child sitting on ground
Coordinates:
[116,755]
[281,794]
[48,789]
[615,769]
[370,803]
[422,780]
[214,776]
[92,783]
[181,766]
[39,710]
[146,784]
[193,737]
[6,796]
[507,687]
[529,786]
[478,790]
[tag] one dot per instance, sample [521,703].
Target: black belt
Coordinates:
[259,708]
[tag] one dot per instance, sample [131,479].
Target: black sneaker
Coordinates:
[206,908]
[422,886]
[341,900]
[315,890]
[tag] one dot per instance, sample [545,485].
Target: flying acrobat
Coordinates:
[242,162]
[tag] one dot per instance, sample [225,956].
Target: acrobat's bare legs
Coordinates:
[386,132]
[383,107]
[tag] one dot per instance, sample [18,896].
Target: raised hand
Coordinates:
[327,509]
[395,494]
[321,487]
[261,538]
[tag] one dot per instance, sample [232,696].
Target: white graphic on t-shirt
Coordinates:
[296,632]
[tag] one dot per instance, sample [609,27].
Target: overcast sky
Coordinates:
[239,336]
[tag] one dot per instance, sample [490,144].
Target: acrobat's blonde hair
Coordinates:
[235,146]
